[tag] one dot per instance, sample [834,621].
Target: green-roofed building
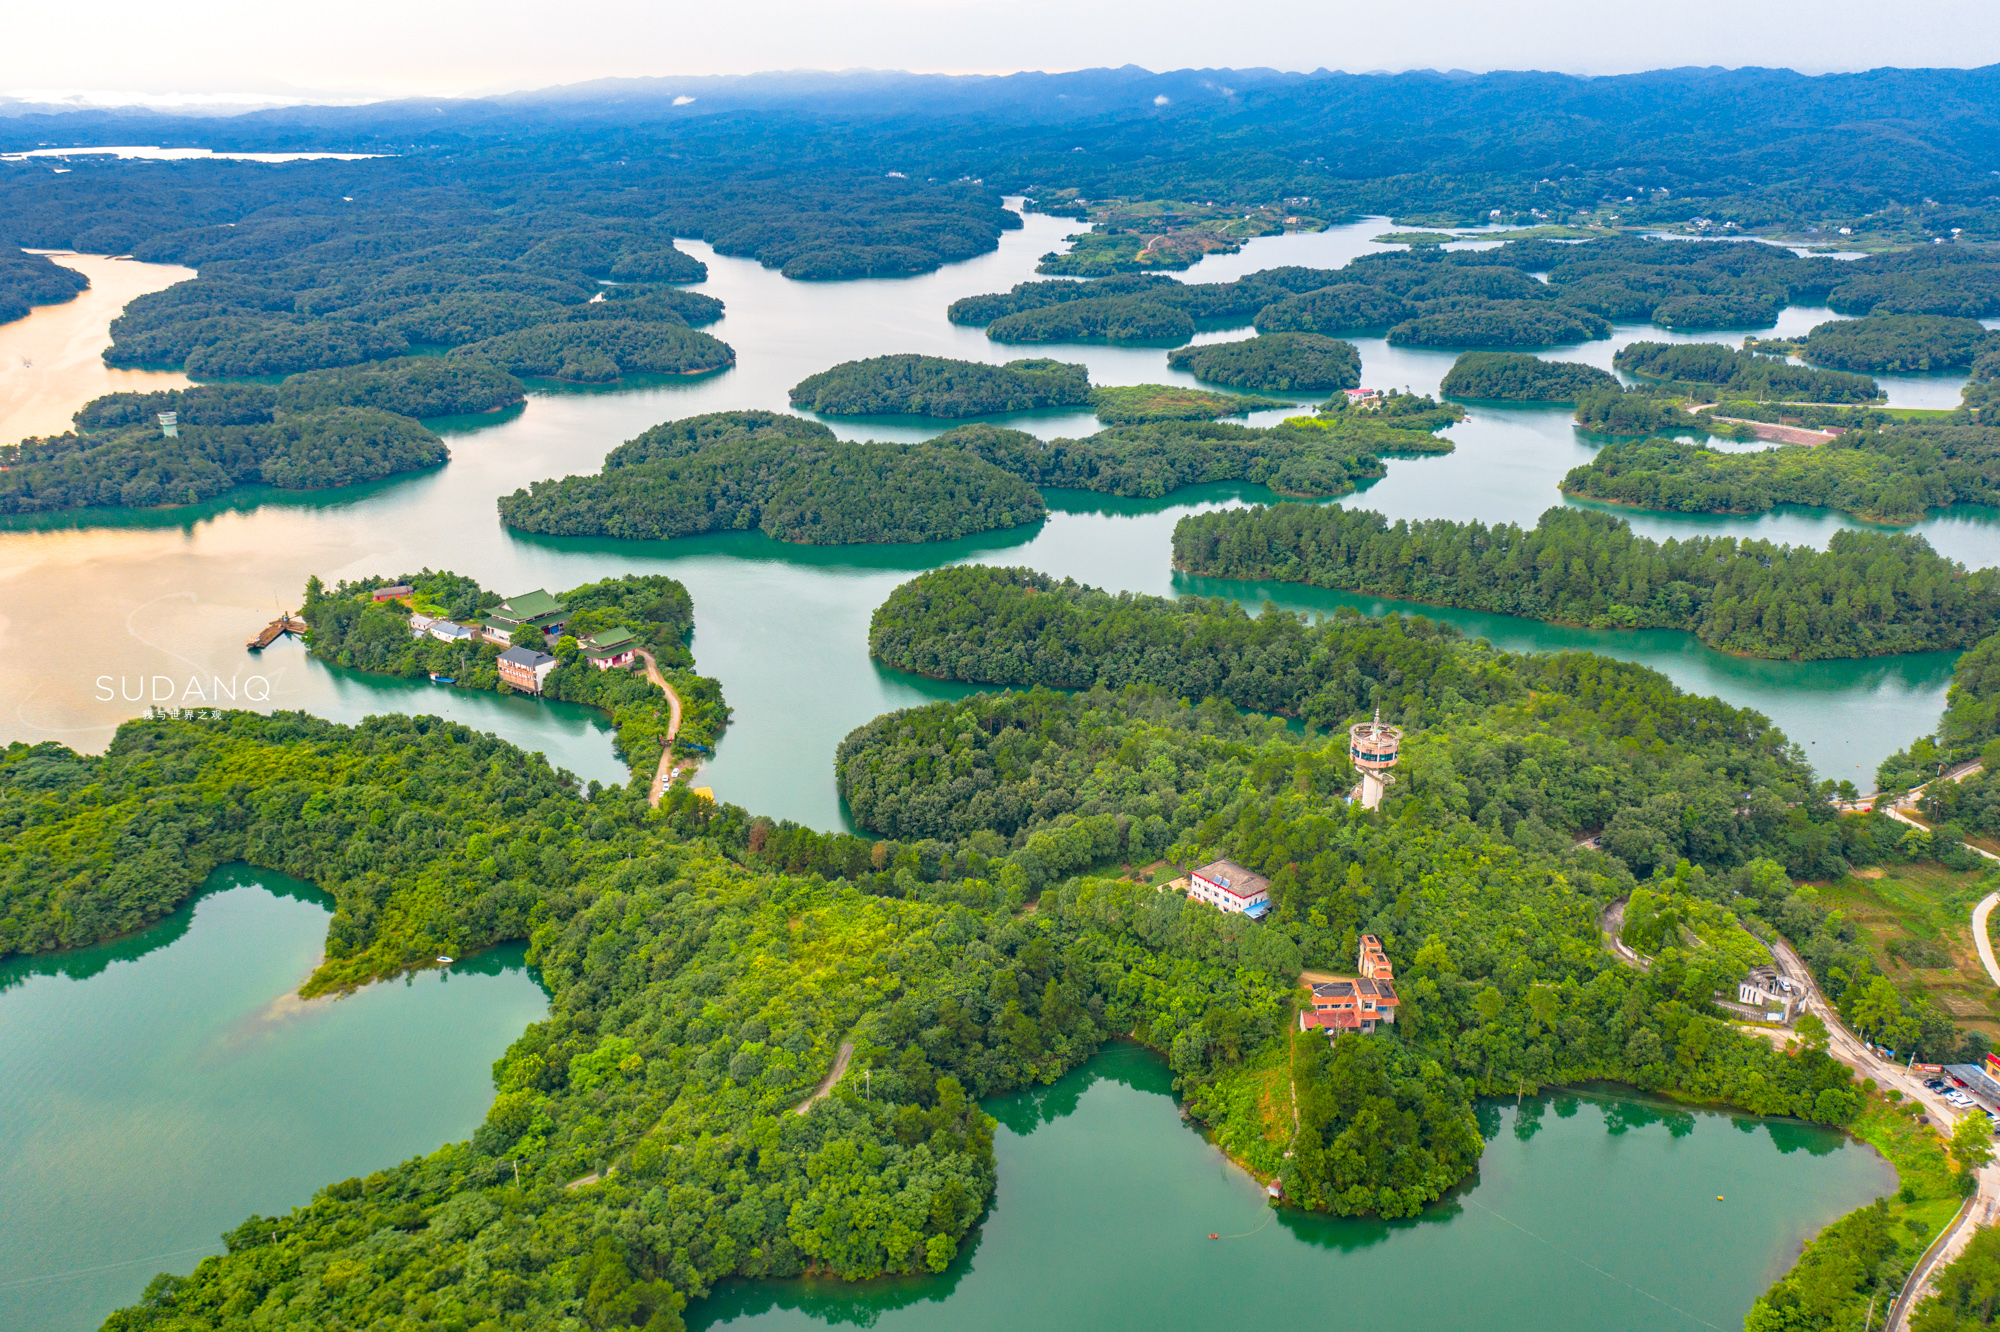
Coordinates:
[613,647]
[535,608]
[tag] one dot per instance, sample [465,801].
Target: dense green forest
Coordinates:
[136,467]
[1275,361]
[1868,594]
[28,280]
[1711,368]
[666,1029]
[1305,456]
[596,351]
[418,386]
[1137,404]
[729,471]
[787,477]
[1345,307]
[1898,343]
[1519,377]
[941,387]
[348,628]
[1895,474]
[1482,323]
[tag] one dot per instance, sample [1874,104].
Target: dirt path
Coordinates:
[665,775]
[1981,938]
[833,1076]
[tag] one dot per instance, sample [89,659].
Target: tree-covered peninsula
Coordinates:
[1136,404]
[119,456]
[1868,594]
[1484,323]
[416,386]
[938,386]
[1277,362]
[785,476]
[1520,377]
[1894,474]
[1709,370]
[597,351]
[348,627]
[1305,456]
[28,280]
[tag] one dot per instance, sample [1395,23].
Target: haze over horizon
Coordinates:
[116,52]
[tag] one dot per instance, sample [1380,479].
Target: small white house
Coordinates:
[421,625]
[1228,887]
[444,631]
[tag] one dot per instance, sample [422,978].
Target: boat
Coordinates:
[441,679]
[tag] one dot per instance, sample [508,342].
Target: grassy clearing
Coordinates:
[1249,1112]
[1928,1196]
[1917,919]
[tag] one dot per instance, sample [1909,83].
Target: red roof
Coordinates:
[1345,1018]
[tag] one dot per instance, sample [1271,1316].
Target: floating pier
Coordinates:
[276,629]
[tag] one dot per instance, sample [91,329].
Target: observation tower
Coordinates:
[1373,747]
[170,424]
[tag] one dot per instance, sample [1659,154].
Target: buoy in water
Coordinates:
[1718,1197]
[1215,1237]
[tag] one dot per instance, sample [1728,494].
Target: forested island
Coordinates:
[1898,343]
[28,280]
[1520,377]
[785,476]
[228,436]
[1345,307]
[1709,369]
[1893,474]
[348,627]
[941,387]
[1868,594]
[1274,361]
[791,478]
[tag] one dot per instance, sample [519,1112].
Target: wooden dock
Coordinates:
[276,629]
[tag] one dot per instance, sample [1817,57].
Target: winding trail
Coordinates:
[833,1075]
[1981,938]
[665,775]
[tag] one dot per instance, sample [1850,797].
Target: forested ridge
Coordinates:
[1893,474]
[1867,594]
[28,280]
[1274,361]
[347,627]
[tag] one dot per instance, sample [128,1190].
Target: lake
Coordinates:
[1590,1211]
[158,1090]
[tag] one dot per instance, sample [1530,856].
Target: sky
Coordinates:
[212,50]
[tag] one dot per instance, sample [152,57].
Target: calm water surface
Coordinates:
[1588,1212]
[158,1090]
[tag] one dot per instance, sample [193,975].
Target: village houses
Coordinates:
[1355,1004]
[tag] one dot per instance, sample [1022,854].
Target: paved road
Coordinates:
[1852,1051]
[1982,939]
